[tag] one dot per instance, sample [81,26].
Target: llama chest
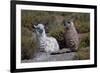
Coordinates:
[71,37]
[42,43]
[49,44]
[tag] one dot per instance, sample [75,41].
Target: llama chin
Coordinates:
[48,44]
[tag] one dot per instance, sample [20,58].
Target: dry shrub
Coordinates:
[28,44]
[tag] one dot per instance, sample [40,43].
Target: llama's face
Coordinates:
[67,24]
[39,28]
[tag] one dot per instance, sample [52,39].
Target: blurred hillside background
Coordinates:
[54,22]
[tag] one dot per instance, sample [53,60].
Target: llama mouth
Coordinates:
[67,28]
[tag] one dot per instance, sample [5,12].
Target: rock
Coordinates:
[45,57]
[64,50]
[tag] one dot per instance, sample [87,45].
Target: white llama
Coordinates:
[48,44]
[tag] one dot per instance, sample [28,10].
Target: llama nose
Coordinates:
[40,30]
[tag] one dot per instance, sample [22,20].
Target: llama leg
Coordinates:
[47,54]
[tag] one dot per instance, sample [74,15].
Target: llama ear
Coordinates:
[46,23]
[46,27]
[33,26]
[73,17]
[64,22]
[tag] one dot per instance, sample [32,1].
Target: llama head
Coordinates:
[68,24]
[39,28]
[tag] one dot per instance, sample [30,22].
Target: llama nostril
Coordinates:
[41,30]
[67,28]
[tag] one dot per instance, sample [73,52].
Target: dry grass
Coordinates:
[84,53]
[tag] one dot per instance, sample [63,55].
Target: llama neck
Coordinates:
[72,26]
[42,36]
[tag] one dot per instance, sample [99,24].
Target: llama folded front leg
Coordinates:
[51,45]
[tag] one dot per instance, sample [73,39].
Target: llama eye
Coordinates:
[37,28]
[68,22]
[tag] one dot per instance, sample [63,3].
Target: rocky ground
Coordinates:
[44,57]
